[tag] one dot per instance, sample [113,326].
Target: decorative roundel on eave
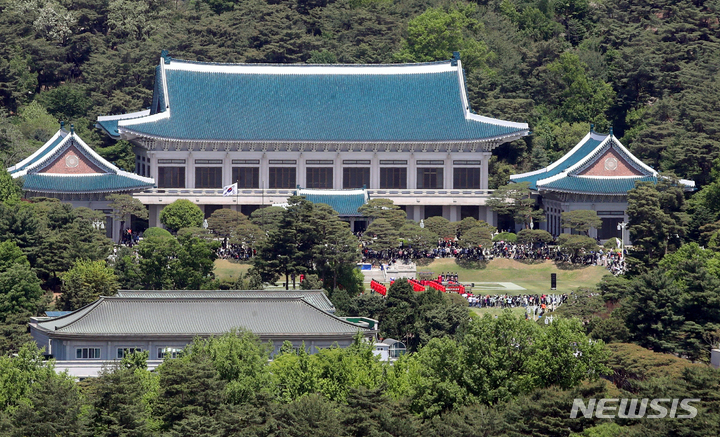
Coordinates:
[71,161]
[611,164]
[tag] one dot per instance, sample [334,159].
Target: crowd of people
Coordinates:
[608,258]
[535,305]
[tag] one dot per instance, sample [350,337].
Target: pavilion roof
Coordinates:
[196,101]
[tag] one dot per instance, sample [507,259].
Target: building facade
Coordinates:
[164,323]
[66,168]
[403,132]
[595,175]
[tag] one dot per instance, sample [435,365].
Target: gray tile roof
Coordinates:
[172,316]
[316,298]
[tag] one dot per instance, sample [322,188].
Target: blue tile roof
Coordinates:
[564,163]
[337,104]
[595,185]
[43,182]
[109,126]
[346,204]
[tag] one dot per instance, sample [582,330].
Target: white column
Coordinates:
[264,172]
[227,170]
[417,213]
[484,165]
[301,172]
[190,171]
[489,216]
[338,173]
[448,176]
[454,213]
[412,183]
[374,172]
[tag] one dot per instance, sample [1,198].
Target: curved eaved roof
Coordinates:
[172,316]
[317,298]
[196,101]
[105,178]
[567,174]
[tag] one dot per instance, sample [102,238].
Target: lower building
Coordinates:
[164,323]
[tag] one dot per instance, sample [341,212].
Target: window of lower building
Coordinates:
[208,177]
[92,353]
[246,177]
[319,177]
[170,352]
[466,178]
[281,177]
[209,209]
[356,177]
[122,351]
[393,177]
[171,177]
[429,178]
[469,211]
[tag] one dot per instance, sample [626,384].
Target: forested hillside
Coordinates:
[649,69]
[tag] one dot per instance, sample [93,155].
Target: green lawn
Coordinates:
[227,271]
[535,278]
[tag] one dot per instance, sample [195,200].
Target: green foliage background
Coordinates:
[646,68]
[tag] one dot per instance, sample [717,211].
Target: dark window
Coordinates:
[171,177]
[209,209]
[466,178]
[248,209]
[429,178]
[433,211]
[246,177]
[319,177]
[392,177]
[469,211]
[208,177]
[356,177]
[282,177]
[609,228]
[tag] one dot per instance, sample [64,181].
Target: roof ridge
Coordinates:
[304,64]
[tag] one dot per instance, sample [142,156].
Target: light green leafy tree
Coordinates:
[180,214]
[436,33]
[85,282]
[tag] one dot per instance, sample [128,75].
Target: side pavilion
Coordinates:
[595,175]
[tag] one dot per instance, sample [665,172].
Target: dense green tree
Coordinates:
[181,214]
[20,290]
[657,218]
[476,237]
[117,405]
[378,208]
[381,235]
[576,245]
[515,200]
[532,236]
[581,220]
[124,205]
[10,191]
[267,218]
[422,239]
[398,319]
[441,227]
[85,282]
[241,361]
[222,222]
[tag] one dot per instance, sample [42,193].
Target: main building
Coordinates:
[404,132]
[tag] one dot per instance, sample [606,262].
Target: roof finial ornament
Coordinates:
[455,58]
[166,57]
[592,128]
[72,129]
[62,125]
[611,131]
